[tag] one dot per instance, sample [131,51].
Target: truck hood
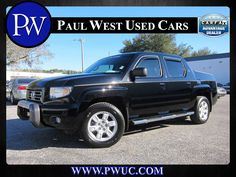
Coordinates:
[75,79]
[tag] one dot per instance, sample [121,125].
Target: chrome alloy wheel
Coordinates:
[102,126]
[203,110]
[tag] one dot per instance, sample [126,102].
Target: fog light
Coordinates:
[55,120]
[58,120]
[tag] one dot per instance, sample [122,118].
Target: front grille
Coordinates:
[35,95]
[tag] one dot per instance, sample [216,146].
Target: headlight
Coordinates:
[58,92]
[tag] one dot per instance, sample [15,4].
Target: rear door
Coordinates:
[178,85]
[147,94]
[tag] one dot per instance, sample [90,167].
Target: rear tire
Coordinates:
[12,99]
[201,110]
[103,125]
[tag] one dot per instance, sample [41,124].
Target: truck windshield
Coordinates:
[111,65]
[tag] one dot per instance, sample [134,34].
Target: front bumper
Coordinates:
[29,110]
[42,115]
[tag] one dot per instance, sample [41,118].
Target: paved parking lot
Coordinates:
[169,142]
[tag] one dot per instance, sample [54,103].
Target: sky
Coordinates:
[67,53]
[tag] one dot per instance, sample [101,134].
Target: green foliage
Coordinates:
[160,43]
[202,52]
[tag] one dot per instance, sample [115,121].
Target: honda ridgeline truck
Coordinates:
[117,91]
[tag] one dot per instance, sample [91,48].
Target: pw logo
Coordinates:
[25,25]
[28,24]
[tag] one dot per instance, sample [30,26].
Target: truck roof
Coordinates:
[154,53]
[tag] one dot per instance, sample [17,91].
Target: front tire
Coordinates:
[202,110]
[103,125]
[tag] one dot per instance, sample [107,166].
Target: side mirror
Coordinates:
[141,72]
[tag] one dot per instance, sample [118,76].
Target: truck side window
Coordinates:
[152,65]
[175,68]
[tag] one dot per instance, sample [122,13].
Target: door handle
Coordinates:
[189,84]
[163,85]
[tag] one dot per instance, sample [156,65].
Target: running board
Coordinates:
[146,120]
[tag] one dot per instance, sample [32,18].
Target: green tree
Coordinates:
[202,52]
[160,43]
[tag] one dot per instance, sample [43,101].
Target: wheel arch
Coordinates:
[116,96]
[204,90]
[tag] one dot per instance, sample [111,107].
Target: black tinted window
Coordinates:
[153,67]
[109,65]
[25,81]
[175,68]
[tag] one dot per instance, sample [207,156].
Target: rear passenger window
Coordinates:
[175,68]
[152,65]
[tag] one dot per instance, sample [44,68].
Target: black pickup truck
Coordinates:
[117,91]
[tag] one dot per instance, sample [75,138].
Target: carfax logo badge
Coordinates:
[213,25]
[28,24]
